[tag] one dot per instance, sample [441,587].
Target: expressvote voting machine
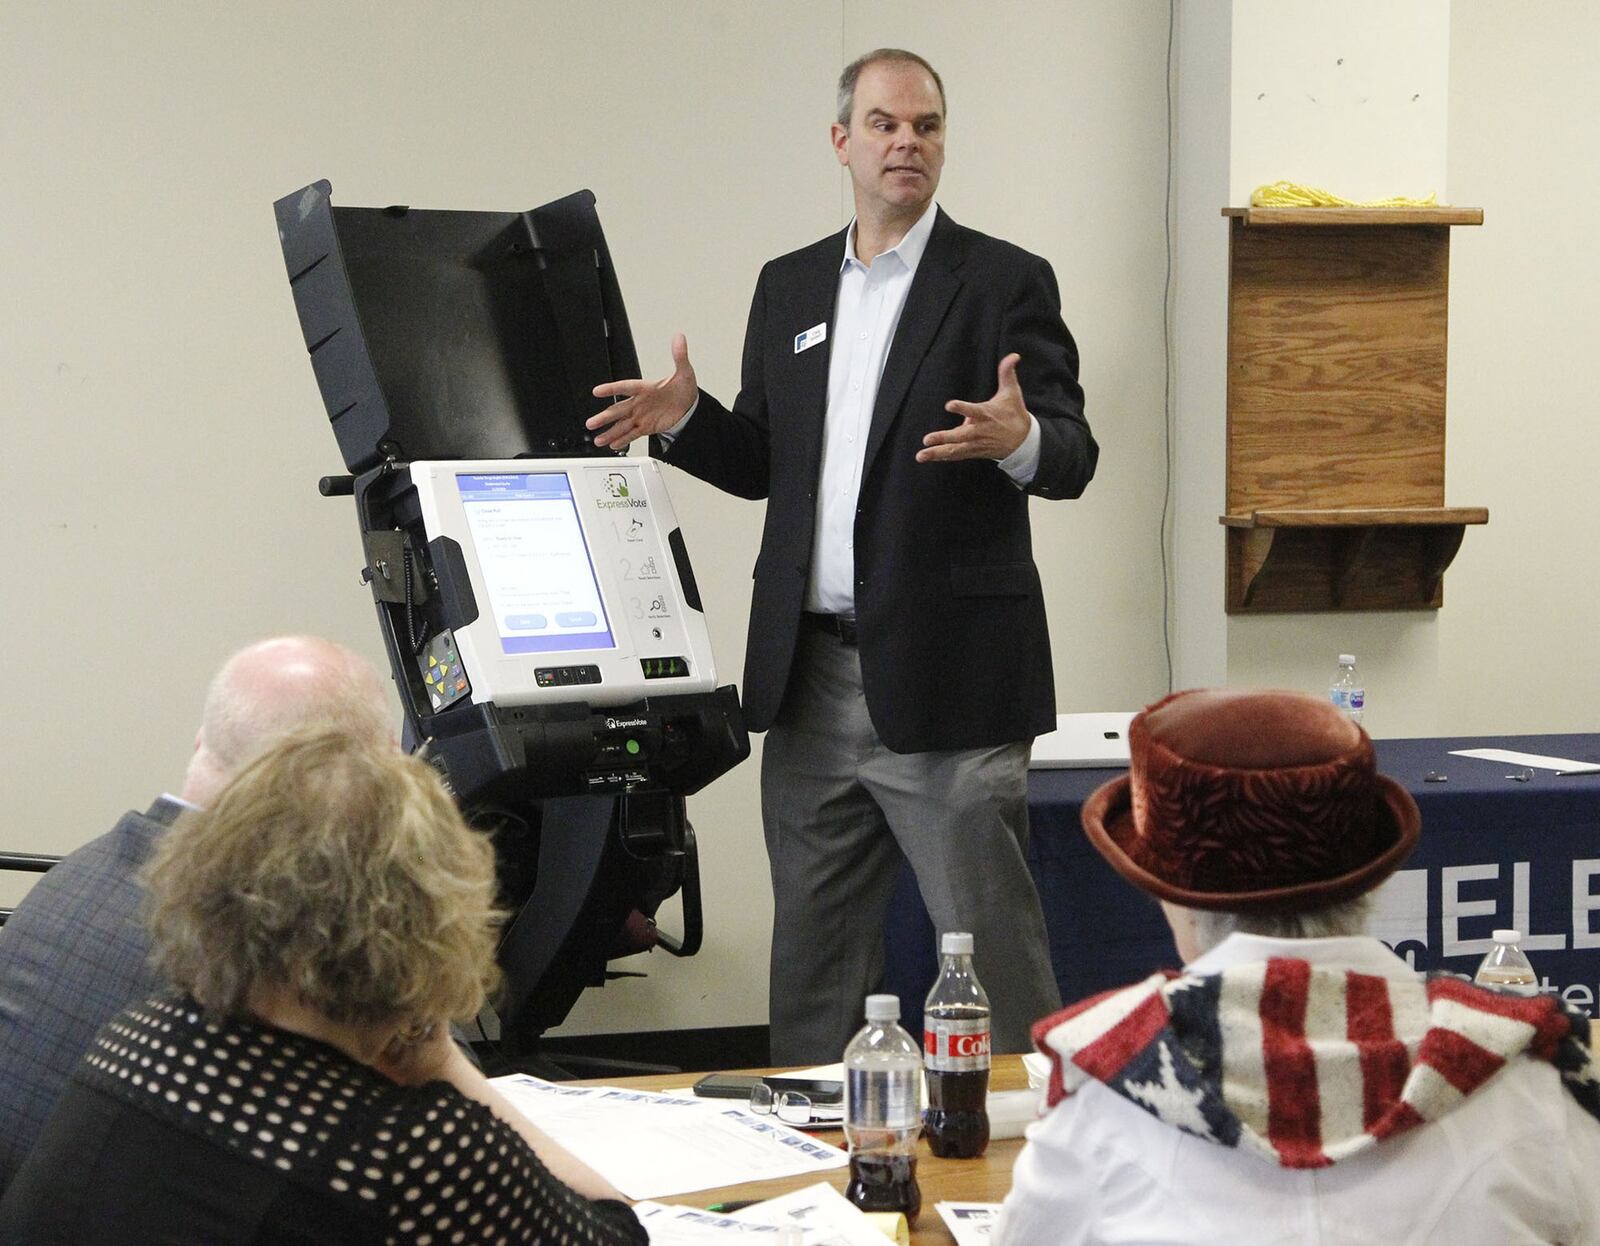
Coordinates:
[534,593]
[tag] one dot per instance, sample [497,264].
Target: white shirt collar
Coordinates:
[1360,952]
[908,250]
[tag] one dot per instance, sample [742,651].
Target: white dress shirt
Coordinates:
[866,314]
[1514,1163]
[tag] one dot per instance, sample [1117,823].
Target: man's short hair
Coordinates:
[338,869]
[852,73]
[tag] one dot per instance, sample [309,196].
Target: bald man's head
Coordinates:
[271,688]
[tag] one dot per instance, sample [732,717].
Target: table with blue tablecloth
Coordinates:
[1496,850]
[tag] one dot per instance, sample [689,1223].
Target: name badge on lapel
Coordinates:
[816,333]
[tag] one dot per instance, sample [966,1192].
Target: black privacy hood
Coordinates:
[441,335]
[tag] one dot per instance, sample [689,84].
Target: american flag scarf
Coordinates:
[1307,1064]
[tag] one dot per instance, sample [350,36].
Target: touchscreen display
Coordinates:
[536,564]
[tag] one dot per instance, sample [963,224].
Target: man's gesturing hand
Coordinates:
[647,407]
[988,430]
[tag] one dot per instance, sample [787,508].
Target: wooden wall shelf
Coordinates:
[1302,217]
[1337,323]
[1360,558]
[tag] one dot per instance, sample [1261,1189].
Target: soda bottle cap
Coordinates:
[1508,936]
[955,943]
[1347,659]
[883,1008]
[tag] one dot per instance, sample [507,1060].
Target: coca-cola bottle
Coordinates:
[955,1055]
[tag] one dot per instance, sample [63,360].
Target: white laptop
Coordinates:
[1082,741]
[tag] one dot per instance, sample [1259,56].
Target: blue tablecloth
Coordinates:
[1494,852]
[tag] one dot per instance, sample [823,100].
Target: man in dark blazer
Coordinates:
[74,953]
[906,385]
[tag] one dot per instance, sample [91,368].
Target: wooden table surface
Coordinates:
[982,1180]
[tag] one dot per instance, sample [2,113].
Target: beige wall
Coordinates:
[1518,650]
[1203,113]
[163,431]
[1352,97]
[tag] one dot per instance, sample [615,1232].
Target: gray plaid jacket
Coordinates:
[72,956]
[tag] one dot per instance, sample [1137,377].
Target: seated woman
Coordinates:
[323,921]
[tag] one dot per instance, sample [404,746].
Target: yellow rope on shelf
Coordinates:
[1294,195]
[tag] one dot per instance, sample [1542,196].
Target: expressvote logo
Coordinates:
[616,487]
[1433,916]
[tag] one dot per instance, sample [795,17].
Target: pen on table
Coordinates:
[738,1204]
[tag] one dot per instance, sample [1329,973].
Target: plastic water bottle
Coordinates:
[883,1112]
[1506,968]
[1346,691]
[955,1054]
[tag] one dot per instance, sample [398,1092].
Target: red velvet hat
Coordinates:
[1251,802]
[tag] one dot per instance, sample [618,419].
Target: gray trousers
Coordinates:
[835,802]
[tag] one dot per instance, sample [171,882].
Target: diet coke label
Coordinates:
[951,1045]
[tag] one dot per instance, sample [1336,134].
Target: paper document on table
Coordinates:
[969,1223]
[649,1144]
[1538,761]
[670,1225]
[823,1216]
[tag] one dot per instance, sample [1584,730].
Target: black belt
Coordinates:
[834,624]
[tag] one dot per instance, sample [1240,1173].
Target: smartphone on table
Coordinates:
[737,1086]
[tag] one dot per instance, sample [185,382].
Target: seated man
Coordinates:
[1297,1082]
[75,952]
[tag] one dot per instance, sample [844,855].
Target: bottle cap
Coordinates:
[1347,659]
[883,1008]
[1508,936]
[955,943]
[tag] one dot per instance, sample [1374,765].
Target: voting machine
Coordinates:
[534,594]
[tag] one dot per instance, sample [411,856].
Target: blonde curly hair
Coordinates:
[336,868]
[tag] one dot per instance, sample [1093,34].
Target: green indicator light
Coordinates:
[632,746]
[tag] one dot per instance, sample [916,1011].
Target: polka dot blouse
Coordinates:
[417,1165]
